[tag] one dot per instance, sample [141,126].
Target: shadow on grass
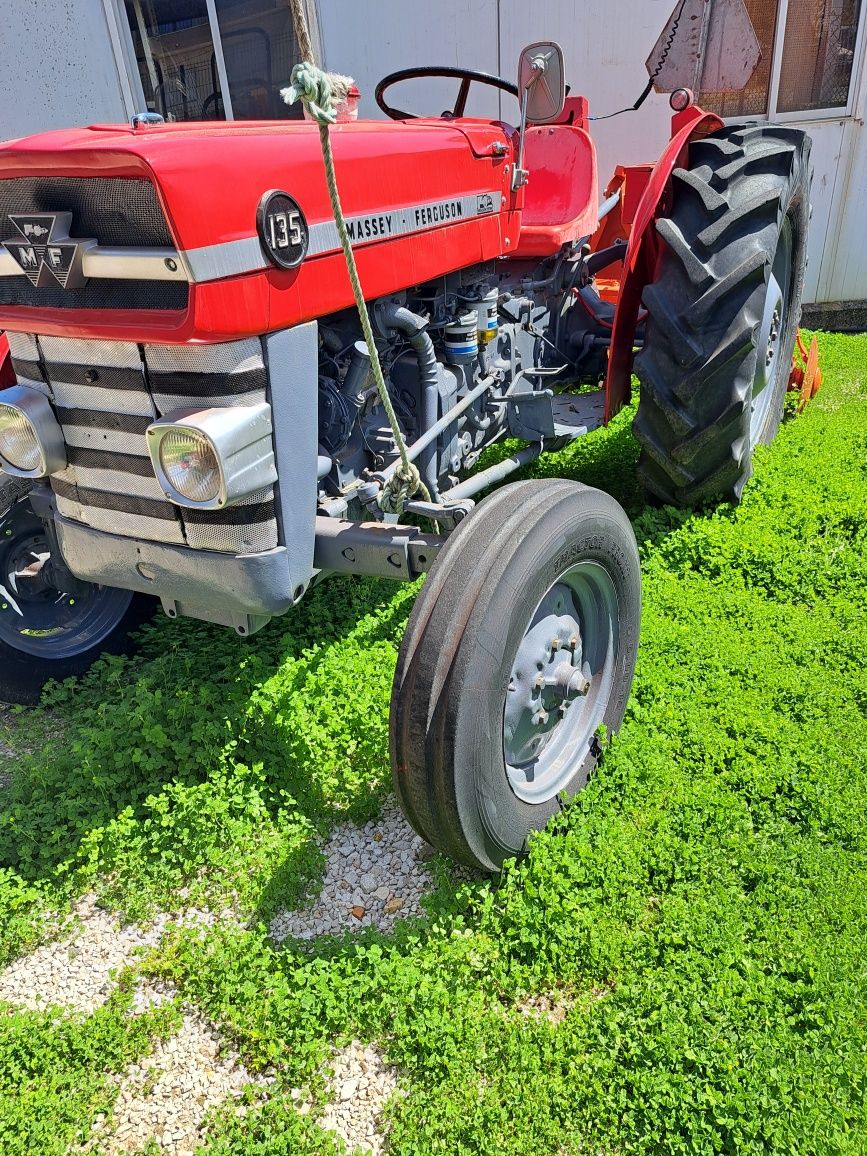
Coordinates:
[202,741]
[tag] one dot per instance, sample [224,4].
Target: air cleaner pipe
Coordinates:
[434,432]
[414,329]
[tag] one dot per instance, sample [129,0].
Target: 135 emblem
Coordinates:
[282,229]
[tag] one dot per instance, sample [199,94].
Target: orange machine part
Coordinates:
[805,379]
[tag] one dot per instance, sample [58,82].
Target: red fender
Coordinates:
[7,373]
[642,252]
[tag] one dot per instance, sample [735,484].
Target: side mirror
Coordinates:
[541,76]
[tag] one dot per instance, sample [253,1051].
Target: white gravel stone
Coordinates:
[166,1095]
[360,1087]
[77,970]
[374,875]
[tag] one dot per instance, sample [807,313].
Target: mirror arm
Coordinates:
[520,174]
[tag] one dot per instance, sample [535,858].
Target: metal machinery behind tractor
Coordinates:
[187,409]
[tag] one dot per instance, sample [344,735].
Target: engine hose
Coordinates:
[414,329]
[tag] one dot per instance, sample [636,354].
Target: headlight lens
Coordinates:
[19,444]
[190,465]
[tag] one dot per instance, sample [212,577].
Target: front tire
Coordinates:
[46,632]
[521,645]
[723,312]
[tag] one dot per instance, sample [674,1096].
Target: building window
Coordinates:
[818,54]
[815,53]
[752,100]
[260,50]
[186,62]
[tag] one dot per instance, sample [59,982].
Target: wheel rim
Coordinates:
[772,331]
[36,617]
[560,683]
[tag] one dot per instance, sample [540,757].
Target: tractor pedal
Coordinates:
[560,418]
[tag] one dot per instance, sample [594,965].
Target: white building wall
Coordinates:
[606,45]
[57,67]
[62,63]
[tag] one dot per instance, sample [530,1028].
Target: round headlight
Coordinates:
[190,465]
[19,445]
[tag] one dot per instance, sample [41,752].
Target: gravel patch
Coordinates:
[361,1085]
[553,1008]
[166,1096]
[374,875]
[76,971]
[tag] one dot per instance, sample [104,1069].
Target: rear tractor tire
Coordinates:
[520,647]
[723,312]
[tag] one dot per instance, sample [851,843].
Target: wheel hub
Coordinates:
[559,683]
[37,617]
[770,336]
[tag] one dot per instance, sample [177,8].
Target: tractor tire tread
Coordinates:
[704,310]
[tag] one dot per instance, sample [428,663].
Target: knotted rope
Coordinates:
[317,90]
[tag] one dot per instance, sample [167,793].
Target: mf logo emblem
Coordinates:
[46,252]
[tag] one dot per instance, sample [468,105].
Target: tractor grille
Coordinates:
[102,294]
[114,211]
[105,395]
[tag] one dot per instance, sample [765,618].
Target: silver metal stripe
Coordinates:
[113,481]
[105,439]
[9,267]
[167,403]
[233,258]
[82,351]
[109,400]
[211,262]
[134,264]
[121,264]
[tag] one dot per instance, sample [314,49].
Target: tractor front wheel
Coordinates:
[48,630]
[520,647]
[723,312]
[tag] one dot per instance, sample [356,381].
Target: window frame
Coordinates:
[837,112]
[127,65]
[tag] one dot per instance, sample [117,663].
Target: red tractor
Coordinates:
[187,410]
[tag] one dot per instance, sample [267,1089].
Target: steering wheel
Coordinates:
[465,75]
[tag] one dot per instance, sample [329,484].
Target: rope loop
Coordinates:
[403,484]
[312,86]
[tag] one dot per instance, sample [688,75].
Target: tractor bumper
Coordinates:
[239,590]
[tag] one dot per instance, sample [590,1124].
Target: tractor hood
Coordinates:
[421,198]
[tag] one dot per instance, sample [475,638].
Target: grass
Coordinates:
[701,910]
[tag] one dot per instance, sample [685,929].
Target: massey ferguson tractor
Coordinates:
[189,413]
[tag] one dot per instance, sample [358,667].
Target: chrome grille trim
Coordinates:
[106,394]
[118,264]
[129,259]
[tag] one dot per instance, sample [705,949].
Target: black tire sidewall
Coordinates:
[23,676]
[494,821]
